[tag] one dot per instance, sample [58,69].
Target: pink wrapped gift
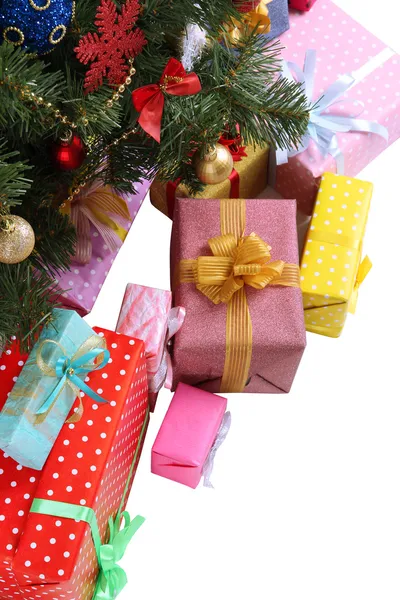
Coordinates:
[146,314]
[357,83]
[184,446]
[303,5]
[84,282]
[277,321]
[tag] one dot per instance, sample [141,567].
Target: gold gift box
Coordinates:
[253,178]
[331,266]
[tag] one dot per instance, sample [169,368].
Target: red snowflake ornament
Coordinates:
[117,42]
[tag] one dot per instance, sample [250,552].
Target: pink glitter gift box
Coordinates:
[146,314]
[83,282]
[278,333]
[187,434]
[343,47]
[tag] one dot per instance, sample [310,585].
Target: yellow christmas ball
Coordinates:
[17,239]
[215,166]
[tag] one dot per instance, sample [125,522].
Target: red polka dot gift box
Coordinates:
[54,522]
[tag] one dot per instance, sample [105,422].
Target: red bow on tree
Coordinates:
[233,144]
[149,100]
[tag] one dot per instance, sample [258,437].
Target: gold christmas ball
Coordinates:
[215,166]
[17,239]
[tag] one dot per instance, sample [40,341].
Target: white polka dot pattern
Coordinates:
[55,557]
[17,485]
[332,252]
[342,47]
[84,282]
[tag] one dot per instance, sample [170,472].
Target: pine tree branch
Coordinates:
[13,183]
[40,98]
[26,301]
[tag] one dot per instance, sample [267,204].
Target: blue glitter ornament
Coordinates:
[35,25]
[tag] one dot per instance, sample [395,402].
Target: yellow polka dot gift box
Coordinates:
[332,268]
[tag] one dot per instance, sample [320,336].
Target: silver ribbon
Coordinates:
[322,128]
[163,375]
[219,440]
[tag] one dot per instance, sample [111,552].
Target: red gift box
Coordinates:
[91,466]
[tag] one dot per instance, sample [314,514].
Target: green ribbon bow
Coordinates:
[112,578]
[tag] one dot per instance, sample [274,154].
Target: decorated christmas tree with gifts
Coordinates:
[95,97]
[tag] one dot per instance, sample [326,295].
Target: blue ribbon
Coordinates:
[322,128]
[67,371]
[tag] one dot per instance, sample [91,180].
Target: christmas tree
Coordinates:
[69,119]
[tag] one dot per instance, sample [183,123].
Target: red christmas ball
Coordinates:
[68,153]
[245,6]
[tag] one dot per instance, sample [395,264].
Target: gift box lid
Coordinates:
[276,311]
[190,426]
[333,247]
[87,468]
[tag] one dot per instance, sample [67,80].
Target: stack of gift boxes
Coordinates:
[74,413]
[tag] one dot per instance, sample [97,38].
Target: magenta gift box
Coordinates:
[187,434]
[144,314]
[343,46]
[277,312]
[84,282]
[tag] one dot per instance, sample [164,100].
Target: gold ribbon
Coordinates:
[237,260]
[256,18]
[92,343]
[363,270]
[94,205]
[330,237]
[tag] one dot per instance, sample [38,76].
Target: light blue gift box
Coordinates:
[25,435]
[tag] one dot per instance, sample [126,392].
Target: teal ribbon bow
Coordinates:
[323,127]
[67,370]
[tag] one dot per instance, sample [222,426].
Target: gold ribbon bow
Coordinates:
[363,270]
[95,205]
[237,260]
[256,18]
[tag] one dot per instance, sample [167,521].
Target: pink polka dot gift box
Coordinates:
[354,81]
[83,282]
[54,522]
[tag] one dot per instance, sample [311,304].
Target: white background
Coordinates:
[307,498]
